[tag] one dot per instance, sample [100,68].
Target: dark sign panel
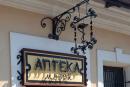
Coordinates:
[43,68]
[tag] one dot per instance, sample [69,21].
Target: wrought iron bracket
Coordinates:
[109,3]
[59,22]
[117,3]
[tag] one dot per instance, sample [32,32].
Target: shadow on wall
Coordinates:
[4,84]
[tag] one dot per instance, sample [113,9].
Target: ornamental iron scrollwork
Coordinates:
[19,73]
[76,23]
[81,28]
[59,22]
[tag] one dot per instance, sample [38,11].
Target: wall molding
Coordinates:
[116,58]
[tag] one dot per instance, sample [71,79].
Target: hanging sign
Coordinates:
[43,68]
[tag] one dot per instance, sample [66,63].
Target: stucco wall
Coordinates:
[107,40]
[14,20]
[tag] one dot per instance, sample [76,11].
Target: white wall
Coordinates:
[19,41]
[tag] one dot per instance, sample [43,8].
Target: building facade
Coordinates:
[20,28]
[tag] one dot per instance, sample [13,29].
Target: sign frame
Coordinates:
[26,82]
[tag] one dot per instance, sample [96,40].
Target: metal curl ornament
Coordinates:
[19,73]
[43,24]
